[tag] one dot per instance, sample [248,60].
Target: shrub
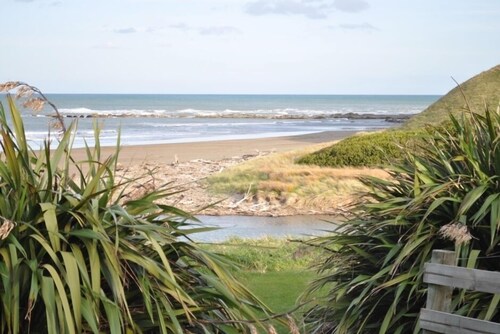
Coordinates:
[78,257]
[368,150]
[374,271]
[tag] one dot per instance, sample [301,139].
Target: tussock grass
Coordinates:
[278,178]
[267,254]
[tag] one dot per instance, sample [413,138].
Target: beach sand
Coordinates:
[214,150]
[186,165]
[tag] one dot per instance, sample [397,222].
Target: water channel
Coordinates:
[258,227]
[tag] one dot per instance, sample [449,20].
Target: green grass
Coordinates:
[366,150]
[384,148]
[280,291]
[276,270]
[266,254]
[480,90]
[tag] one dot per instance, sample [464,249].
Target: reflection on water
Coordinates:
[257,227]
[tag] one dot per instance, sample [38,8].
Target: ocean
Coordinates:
[154,119]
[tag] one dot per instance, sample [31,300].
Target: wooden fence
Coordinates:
[442,276]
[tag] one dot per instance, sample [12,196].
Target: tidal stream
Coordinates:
[258,227]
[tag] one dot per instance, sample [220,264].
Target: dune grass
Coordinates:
[481,91]
[278,178]
[366,150]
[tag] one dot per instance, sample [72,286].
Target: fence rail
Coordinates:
[442,276]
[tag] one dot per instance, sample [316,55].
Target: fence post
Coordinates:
[439,297]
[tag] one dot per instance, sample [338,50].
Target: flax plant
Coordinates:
[446,197]
[77,257]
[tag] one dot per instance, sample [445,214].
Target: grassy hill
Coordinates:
[384,147]
[481,89]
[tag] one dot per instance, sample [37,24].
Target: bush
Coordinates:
[446,197]
[368,150]
[78,257]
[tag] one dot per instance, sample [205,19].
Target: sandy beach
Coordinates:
[214,150]
[186,165]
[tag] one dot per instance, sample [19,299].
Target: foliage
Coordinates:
[277,270]
[483,90]
[266,254]
[76,256]
[280,290]
[277,181]
[367,150]
[374,272]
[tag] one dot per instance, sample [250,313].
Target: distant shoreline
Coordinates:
[350,115]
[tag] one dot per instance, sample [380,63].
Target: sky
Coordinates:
[248,46]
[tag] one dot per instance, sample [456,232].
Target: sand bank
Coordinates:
[187,165]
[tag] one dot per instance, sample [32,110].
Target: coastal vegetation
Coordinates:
[386,147]
[266,254]
[481,92]
[278,179]
[80,256]
[366,150]
[445,197]
[277,270]
[77,256]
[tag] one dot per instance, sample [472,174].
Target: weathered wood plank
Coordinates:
[439,297]
[447,323]
[458,277]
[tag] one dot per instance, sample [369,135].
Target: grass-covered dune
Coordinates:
[480,90]
[365,150]
[389,146]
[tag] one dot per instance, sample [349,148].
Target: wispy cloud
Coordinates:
[129,30]
[351,6]
[310,9]
[209,30]
[219,30]
[313,9]
[181,26]
[106,46]
[357,26]
[44,3]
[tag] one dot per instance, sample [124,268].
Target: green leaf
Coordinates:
[471,198]
[50,219]
[73,282]
[49,299]
[62,298]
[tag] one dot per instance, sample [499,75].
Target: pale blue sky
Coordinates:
[248,46]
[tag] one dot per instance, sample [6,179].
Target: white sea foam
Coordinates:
[201,118]
[233,113]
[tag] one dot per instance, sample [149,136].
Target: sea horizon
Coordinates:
[143,119]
